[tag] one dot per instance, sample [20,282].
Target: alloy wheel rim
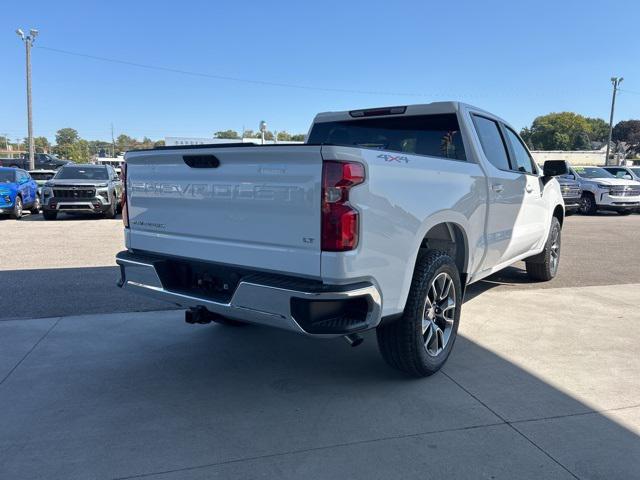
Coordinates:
[438,314]
[19,206]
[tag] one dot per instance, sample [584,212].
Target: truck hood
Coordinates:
[612,181]
[76,183]
[8,188]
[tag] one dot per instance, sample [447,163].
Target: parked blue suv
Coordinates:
[18,192]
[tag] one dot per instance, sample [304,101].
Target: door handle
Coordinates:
[497,187]
[529,188]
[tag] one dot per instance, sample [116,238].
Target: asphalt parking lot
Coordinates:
[97,383]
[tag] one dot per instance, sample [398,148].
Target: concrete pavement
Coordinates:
[543,385]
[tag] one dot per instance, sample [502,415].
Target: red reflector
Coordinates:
[340,221]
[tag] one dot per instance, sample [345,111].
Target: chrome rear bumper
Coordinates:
[251,302]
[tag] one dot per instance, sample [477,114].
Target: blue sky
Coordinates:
[516,59]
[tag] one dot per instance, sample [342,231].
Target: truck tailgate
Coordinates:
[253,206]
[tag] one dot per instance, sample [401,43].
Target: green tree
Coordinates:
[283,136]
[563,131]
[231,134]
[598,129]
[525,134]
[42,144]
[628,131]
[581,142]
[299,137]
[5,142]
[159,143]
[125,142]
[67,136]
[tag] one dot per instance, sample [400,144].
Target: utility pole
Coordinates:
[28,42]
[113,143]
[263,129]
[615,81]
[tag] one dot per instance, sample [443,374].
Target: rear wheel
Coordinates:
[49,214]
[111,212]
[588,204]
[420,342]
[544,266]
[17,209]
[35,208]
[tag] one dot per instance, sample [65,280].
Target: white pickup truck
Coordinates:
[379,221]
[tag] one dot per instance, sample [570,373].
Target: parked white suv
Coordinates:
[379,222]
[602,190]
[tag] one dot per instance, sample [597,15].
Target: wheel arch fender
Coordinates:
[445,230]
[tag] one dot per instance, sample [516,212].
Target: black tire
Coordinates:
[111,212]
[35,208]
[544,266]
[17,208]
[588,204]
[402,343]
[49,214]
[624,212]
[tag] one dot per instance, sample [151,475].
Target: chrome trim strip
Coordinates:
[251,302]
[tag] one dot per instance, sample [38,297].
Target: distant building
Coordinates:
[575,157]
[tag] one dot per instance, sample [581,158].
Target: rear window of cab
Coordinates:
[432,135]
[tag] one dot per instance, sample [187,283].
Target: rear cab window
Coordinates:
[436,135]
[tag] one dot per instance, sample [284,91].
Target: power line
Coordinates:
[228,78]
[628,91]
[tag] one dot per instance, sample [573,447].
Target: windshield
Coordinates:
[7,176]
[41,175]
[82,173]
[592,172]
[433,135]
[636,170]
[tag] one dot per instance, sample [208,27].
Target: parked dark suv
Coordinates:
[571,193]
[42,161]
[82,188]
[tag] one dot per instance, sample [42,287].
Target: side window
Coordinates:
[491,140]
[522,160]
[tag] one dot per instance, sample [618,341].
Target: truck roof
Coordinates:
[403,110]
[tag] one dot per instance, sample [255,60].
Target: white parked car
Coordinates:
[602,190]
[379,222]
[629,173]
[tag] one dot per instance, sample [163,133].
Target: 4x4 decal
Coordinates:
[394,158]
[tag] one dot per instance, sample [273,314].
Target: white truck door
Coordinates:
[529,229]
[506,191]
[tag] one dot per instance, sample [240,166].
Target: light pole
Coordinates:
[28,42]
[615,81]
[263,129]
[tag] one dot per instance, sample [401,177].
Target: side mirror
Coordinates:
[555,168]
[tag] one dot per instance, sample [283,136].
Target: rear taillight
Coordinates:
[123,200]
[340,221]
